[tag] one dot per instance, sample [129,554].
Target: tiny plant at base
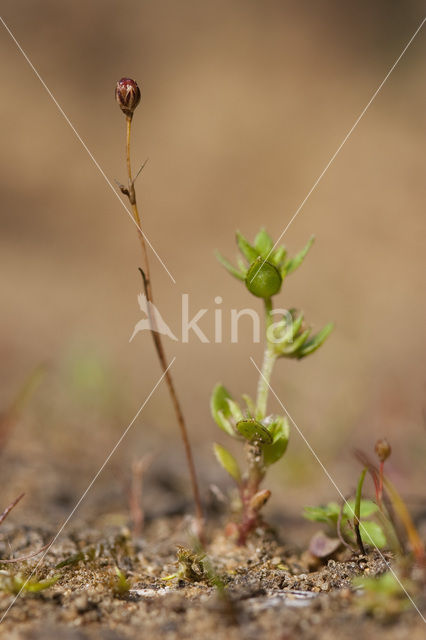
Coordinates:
[264,436]
[340,521]
[393,511]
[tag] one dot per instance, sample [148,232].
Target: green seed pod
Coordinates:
[263,279]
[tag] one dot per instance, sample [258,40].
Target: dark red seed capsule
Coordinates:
[128,95]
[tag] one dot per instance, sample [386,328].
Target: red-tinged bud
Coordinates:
[382,449]
[260,499]
[128,95]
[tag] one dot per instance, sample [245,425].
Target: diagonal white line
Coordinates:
[365,532]
[345,139]
[80,139]
[88,488]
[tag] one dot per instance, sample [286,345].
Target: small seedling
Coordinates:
[340,521]
[383,597]
[17,583]
[121,585]
[393,511]
[263,269]
[191,566]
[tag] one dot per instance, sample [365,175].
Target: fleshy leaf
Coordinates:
[316,341]
[253,431]
[228,462]
[263,243]
[292,264]
[220,409]
[280,431]
[230,267]
[249,252]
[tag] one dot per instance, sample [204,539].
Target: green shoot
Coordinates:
[264,436]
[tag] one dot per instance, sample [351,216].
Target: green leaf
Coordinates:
[280,431]
[228,462]
[297,323]
[386,584]
[235,410]
[254,431]
[368,508]
[251,407]
[249,252]
[278,256]
[294,263]
[329,513]
[293,348]
[263,243]
[220,409]
[316,341]
[230,267]
[372,533]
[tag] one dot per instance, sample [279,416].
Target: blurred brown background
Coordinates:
[243,104]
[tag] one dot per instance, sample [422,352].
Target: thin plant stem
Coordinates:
[357,513]
[157,339]
[267,366]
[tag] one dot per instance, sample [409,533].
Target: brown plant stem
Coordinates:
[145,271]
[9,508]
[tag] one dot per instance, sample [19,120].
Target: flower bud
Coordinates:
[128,95]
[260,499]
[263,279]
[382,449]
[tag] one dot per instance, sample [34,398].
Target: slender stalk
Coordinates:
[357,513]
[157,338]
[267,366]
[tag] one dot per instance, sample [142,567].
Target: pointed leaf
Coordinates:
[249,252]
[263,243]
[278,256]
[229,267]
[235,410]
[220,409]
[316,341]
[294,263]
[241,264]
[251,407]
[293,348]
[228,462]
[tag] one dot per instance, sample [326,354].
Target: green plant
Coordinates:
[16,583]
[383,597]
[392,509]
[121,585]
[263,269]
[128,95]
[340,521]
